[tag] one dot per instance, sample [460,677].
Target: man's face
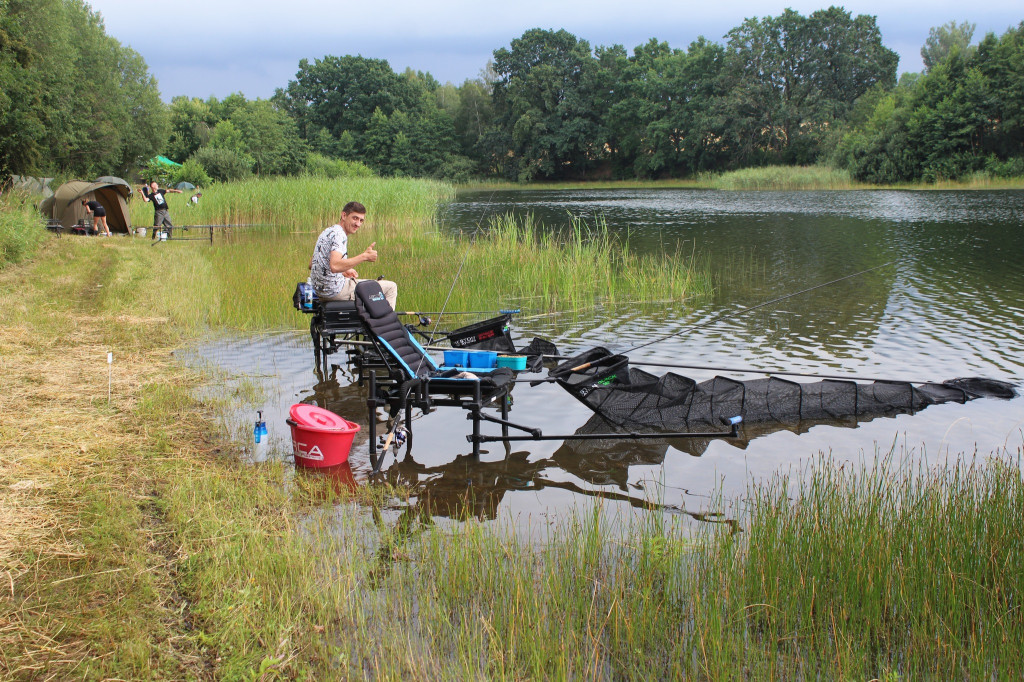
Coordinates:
[154,186]
[350,222]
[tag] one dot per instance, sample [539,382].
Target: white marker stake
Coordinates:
[110,369]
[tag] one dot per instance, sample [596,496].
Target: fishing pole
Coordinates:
[747,370]
[727,315]
[503,311]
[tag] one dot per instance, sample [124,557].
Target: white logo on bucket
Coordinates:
[313,453]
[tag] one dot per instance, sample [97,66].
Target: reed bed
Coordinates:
[785,178]
[575,268]
[762,178]
[878,574]
[245,280]
[979,180]
[693,182]
[301,203]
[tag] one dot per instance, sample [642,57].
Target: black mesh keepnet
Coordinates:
[631,397]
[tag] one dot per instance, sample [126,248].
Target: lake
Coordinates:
[949,302]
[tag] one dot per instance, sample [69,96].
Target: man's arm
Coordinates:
[145,193]
[174,191]
[341,264]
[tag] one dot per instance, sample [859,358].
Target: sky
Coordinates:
[201,48]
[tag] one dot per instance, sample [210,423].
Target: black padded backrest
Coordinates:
[384,324]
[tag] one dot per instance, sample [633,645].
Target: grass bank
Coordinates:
[782,178]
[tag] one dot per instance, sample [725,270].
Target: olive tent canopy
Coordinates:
[66,203]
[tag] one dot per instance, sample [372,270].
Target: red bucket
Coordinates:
[320,438]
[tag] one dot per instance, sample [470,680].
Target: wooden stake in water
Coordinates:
[110,369]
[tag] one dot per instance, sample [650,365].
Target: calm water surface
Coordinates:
[951,304]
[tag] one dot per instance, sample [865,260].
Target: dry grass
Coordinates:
[80,535]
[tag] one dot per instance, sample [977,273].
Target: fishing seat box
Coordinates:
[340,317]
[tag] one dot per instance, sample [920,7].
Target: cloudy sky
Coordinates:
[216,47]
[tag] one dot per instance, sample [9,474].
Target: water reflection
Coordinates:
[467,487]
[951,305]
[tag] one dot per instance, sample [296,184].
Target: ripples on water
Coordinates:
[950,305]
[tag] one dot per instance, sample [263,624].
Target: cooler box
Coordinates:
[320,438]
[482,359]
[513,362]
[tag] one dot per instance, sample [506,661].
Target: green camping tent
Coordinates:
[66,203]
[164,161]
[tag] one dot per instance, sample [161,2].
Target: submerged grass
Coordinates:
[137,545]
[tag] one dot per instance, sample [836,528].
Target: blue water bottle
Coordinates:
[260,428]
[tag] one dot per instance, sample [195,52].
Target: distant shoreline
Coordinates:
[769,178]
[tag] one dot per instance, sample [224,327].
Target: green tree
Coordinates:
[192,121]
[474,115]
[341,94]
[72,99]
[271,138]
[1002,63]
[942,40]
[223,164]
[960,117]
[792,77]
[23,120]
[545,118]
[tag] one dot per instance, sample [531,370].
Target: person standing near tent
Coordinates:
[161,217]
[331,272]
[99,216]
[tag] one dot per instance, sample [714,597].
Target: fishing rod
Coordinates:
[727,315]
[503,311]
[747,370]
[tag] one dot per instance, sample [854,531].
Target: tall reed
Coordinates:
[301,203]
[21,227]
[877,572]
[880,573]
[785,178]
[245,279]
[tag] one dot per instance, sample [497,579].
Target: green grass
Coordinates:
[787,178]
[21,227]
[301,203]
[864,575]
[784,178]
[245,279]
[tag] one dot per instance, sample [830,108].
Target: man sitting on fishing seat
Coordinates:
[331,272]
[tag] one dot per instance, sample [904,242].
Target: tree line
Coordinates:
[786,89]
